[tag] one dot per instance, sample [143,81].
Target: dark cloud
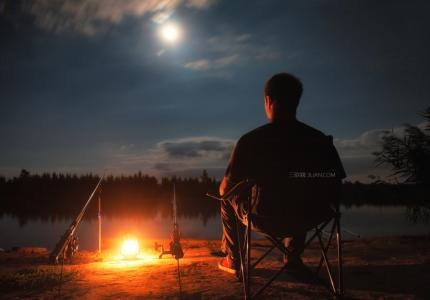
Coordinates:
[175,156]
[163,167]
[198,148]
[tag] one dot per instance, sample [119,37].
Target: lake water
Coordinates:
[366,221]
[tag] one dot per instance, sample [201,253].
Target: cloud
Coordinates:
[164,167]
[356,153]
[161,52]
[200,64]
[127,147]
[205,148]
[368,142]
[200,3]
[227,60]
[161,17]
[206,64]
[243,37]
[177,155]
[362,145]
[245,44]
[226,50]
[89,17]
[189,155]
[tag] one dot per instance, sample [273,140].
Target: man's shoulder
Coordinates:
[259,130]
[310,131]
[256,133]
[297,128]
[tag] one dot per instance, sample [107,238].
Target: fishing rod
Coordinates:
[175,244]
[67,246]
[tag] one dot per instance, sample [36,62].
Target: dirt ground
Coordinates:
[379,268]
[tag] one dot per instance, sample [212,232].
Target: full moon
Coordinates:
[171,33]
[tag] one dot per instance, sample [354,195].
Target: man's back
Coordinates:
[293,163]
[272,150]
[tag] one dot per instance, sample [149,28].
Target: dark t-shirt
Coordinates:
[297,166]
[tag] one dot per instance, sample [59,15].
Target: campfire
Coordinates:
[130,248]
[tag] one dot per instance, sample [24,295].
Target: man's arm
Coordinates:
[223,186]
[236,169]
[339,171]
[337,163]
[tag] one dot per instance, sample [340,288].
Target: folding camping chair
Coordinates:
[334,286]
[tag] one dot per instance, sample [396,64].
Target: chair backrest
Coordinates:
[303,188]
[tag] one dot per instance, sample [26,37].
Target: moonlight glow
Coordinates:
[171,33]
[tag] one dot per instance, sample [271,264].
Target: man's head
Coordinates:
[282,94]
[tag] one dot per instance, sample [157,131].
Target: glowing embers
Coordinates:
[130,248]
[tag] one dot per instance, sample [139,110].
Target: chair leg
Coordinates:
[248,259]
[276,244]
[269,282]
[262,257]
[333,229]
[327,265]
[314,235]
[243,272]
[339,257]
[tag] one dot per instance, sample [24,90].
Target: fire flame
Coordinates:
[130,248]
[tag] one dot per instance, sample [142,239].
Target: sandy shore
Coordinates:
[378,268]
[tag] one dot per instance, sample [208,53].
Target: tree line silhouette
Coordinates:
[56,196]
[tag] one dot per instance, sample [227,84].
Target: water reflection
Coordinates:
[366,221]
[418,214]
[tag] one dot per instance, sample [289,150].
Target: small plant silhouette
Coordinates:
[408,155]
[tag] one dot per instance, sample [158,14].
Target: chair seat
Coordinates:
[287,226]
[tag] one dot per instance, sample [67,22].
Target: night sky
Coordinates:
[89,85]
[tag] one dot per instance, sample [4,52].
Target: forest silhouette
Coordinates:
[56,196]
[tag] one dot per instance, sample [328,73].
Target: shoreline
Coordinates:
[375,268]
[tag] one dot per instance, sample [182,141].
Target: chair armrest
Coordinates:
[239,188]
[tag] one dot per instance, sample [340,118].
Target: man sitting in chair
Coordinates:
[297,167]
